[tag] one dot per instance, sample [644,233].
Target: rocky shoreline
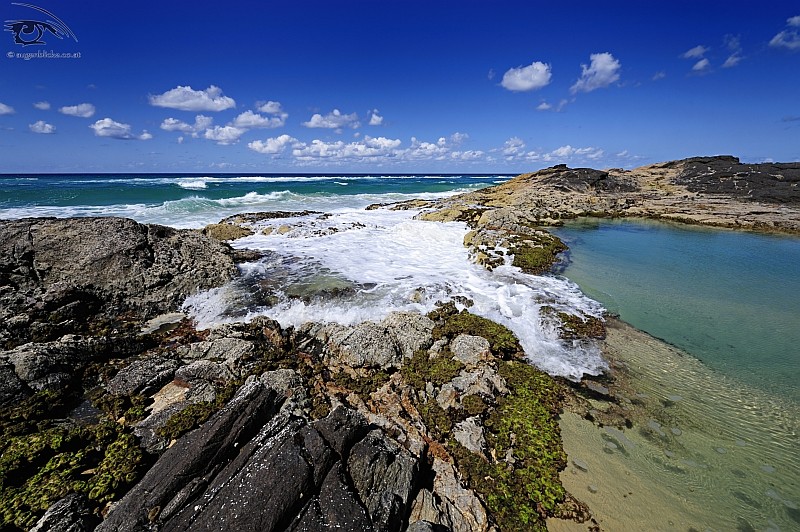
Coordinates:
[117,414]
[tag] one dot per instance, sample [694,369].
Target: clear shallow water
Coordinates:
[731,299]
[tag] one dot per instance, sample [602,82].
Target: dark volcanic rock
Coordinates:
[57,274]
[70,514]
[766,182]
[583,179]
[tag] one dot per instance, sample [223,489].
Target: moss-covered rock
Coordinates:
[422,369]
[450,323]
[535,253]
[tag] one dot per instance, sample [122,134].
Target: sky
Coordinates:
[393,87]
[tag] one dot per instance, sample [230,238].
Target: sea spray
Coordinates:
[354,265]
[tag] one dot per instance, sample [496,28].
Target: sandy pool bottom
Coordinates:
[700,452]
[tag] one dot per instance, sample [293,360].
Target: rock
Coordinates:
[453,507]
[11,387]
[411,331]
[384,475]
[426,526]
[341,428]
[162,323]
[224,231]
[70,514]
[179,473]
[481,381]
[230,350]
[469,433]
[143,376]
[205,370]
[67,273]
[470,350]
[366,345]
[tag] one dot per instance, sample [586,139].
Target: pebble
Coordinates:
[611,445]
[580,464]
[741,443]
[592,488]
[656,427]
[669,454]
[721,450]
[675,398]
[767,468]
[676,431]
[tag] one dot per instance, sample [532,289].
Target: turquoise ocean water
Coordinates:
[730,298]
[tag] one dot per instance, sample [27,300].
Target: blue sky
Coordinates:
[385,86]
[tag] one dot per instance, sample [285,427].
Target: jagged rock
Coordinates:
[384,475]
[70,514]
[480,381]
[453,506]
[366,345]
[204,370]
[143,376]
[231,351]
[470,350]
[426,526]
[289,384]
[411,331]
[11,387]
[469,433]
[336,507]
[65,272]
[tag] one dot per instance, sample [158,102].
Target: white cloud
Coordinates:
[490,74]
[6,109]
[732,61]
[224,134]
[513,147]
[201,122]
[793,21]
[82,110]
[270,107]
[375,119]
[333,120]
[42,106]
[458,138]
[544,106]
[520,79]
[272,146]
[701,65]
[696,52]
[788,39]
[469,155]
[251,120]
[116,130]
[42,127]
[659,75]
[368,148]
[602,72]
[185,98]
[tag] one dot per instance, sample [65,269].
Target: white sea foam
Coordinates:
[192,183]
[397,263]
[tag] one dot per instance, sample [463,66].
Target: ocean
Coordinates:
[720,450]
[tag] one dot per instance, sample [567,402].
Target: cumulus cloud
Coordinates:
[272,146]
[696,52]
[42,127]
[659,75]
[374,118]
[42,106]
[201,122]
[513,147]
[701,65]
[514,151]
[602,72]
[224,134]
[185,98]
[82,110]
[333,120]
[544,106]
[251,120]
[117,130]
[367,148]
[789,38]
[528,78]
[270,107]
[6,109]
